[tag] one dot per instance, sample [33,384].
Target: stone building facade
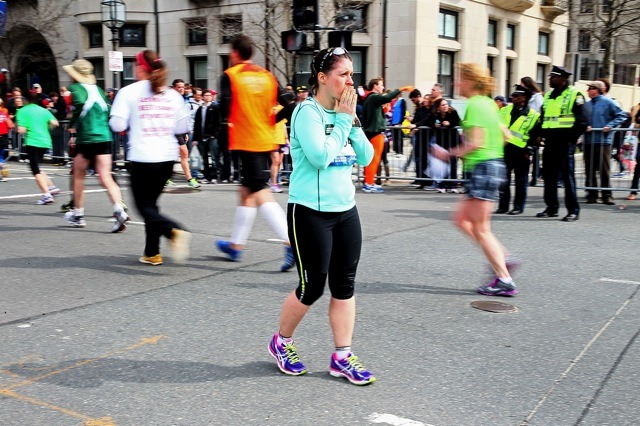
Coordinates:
[424,38]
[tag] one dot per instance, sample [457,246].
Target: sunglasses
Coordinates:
[334,51]
[592,88]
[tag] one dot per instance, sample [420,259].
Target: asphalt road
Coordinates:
[89,336]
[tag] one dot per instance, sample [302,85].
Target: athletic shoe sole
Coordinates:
[149,262]
[336,373]
[505,293]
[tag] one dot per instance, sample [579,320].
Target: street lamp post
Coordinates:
[114,17]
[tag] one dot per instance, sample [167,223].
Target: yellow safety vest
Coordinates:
[521,127]
[558,112]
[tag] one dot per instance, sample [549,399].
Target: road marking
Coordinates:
[8,391]
[576,360]
[87,421]
[609,280]
[9,197]
[390,419]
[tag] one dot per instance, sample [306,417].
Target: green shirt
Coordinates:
[482,112]
[90,114]
[36,120]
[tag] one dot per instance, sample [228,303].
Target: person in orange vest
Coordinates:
[248,94]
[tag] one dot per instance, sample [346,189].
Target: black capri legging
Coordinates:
[35,156]
[324,244]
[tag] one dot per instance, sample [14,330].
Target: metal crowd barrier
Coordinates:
[408,158]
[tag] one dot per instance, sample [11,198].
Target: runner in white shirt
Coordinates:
[153,115]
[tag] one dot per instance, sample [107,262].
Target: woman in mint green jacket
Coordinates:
[324,225]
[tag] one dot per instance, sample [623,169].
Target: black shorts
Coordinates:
[91,150]
[254,168]
[35,156]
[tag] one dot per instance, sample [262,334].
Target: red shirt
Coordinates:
[5,122]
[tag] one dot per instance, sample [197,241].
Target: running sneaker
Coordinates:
[67,207]
[352,369]
[179,243]
[151,260]
[121,218]
[46,199]
[286,356]
[498,288]
[169,183]
[75,221]
[225,247]
[53,190]
[193,183]
[372,189]
[289,262]
[276,189]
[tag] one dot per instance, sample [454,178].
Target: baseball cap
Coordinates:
[36,85]
[302,89]
[500,98]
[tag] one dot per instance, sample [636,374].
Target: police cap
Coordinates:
[560,71]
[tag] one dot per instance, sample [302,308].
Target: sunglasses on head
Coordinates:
[334,51]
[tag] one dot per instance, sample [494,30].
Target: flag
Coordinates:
[3,16]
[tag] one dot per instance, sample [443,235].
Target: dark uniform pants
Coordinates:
[517,161]
[558,157]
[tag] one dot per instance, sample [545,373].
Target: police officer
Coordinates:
[521,121]
[562,123]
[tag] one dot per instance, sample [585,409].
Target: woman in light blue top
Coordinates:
[324,226]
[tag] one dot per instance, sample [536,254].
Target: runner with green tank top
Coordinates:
[91,138]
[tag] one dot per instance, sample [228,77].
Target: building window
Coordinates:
[231,26]
[198,72]
[445,71]
[511,37]
[129,73]
[584,40]
[568,46]
[358,57]
[197,30]
[352,18]
[603,44]
[94,32]
[606,6]
[586,6]
[509,81]
[133,35]
[491,63]
[492,36]
[541,76]
[98,70]
[448,24]
[543,44]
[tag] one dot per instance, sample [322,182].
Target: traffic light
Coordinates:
[305,14]
[293,40]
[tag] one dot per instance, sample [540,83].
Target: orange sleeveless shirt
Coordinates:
[254,93]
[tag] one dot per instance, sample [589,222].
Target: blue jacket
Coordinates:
[602,112]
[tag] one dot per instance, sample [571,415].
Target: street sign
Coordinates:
[115,61]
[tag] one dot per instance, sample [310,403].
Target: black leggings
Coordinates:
[324,243]
[147,183]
